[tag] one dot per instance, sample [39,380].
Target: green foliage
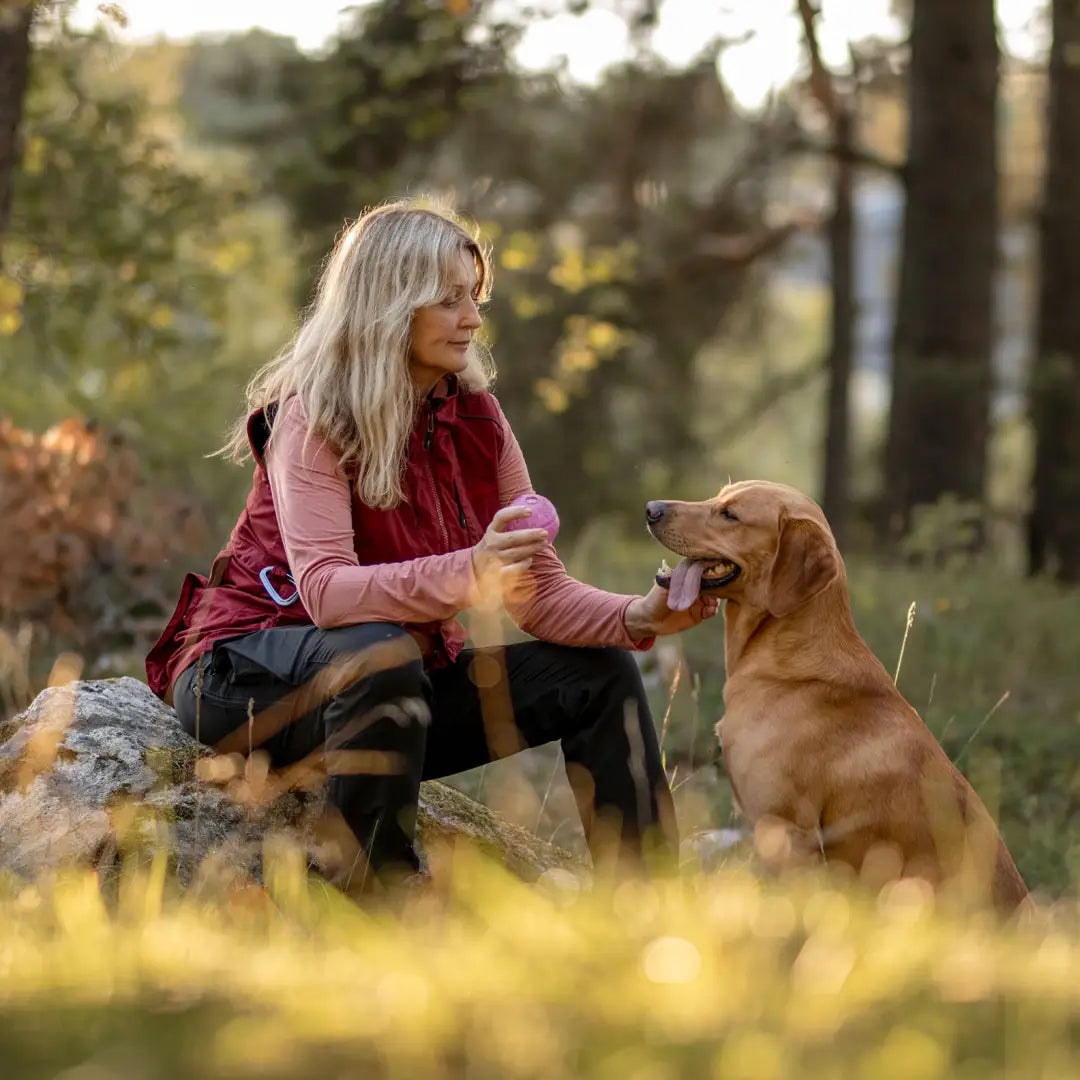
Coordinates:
[945,532]
[327,129]
[139,278]
[113,240]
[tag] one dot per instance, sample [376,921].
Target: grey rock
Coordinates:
[96,768]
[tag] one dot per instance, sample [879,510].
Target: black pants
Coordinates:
[359,699]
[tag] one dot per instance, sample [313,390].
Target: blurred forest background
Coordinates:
[861,284]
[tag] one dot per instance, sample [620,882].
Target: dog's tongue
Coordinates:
[685,584]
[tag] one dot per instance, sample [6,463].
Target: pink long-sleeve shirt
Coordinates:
[313,503]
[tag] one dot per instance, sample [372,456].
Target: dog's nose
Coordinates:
[654,511]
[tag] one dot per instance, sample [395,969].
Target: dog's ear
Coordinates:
[806,563]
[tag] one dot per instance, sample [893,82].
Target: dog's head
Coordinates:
[757,543]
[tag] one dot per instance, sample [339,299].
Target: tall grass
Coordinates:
[481,976]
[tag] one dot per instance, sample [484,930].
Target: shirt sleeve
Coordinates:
[313,503]
[554,606]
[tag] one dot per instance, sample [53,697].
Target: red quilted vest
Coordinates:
[451,493]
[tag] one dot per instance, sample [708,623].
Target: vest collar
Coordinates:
[442,399]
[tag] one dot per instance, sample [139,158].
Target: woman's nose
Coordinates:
[471,317]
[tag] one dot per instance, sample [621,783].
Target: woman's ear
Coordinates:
[806,563]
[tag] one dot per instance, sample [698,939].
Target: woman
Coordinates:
[327,627]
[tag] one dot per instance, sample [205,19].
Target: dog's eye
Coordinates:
[728,514]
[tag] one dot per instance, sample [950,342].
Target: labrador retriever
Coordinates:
[825,756]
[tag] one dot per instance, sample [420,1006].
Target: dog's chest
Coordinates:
[753,735]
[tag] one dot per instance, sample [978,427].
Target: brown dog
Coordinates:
[825,756]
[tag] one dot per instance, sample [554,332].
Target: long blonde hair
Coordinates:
[349,362]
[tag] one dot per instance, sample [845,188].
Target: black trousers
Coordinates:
[360,700]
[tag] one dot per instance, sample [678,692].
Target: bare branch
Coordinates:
[745,248]
[854,155]
[769,395]
[823,87]
[769,143]
[821,83]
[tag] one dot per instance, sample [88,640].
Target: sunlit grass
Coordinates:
[721,976]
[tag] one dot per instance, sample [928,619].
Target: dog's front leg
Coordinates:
[784,845]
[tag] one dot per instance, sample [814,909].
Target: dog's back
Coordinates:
[893,796]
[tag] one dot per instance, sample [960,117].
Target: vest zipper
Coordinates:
[462,520]
[431,479]
[438,507]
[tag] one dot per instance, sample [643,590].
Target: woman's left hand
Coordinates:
[650,616]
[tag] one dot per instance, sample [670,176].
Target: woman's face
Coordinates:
[441,333]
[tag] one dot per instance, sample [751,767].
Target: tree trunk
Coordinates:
[942,344]
[15,18]
[835,489]
[1054,523]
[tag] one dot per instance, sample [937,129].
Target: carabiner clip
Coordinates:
[281,601]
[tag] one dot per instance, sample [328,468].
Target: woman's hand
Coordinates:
[502,558]
[650,616]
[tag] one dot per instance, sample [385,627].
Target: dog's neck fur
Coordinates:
[799,650]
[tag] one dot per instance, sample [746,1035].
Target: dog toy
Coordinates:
[543,515]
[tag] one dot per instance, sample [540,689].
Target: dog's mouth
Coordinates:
[693,576]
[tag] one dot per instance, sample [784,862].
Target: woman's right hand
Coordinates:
[501,558]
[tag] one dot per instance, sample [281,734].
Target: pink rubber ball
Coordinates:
[543,516]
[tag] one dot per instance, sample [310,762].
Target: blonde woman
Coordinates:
[327,628]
